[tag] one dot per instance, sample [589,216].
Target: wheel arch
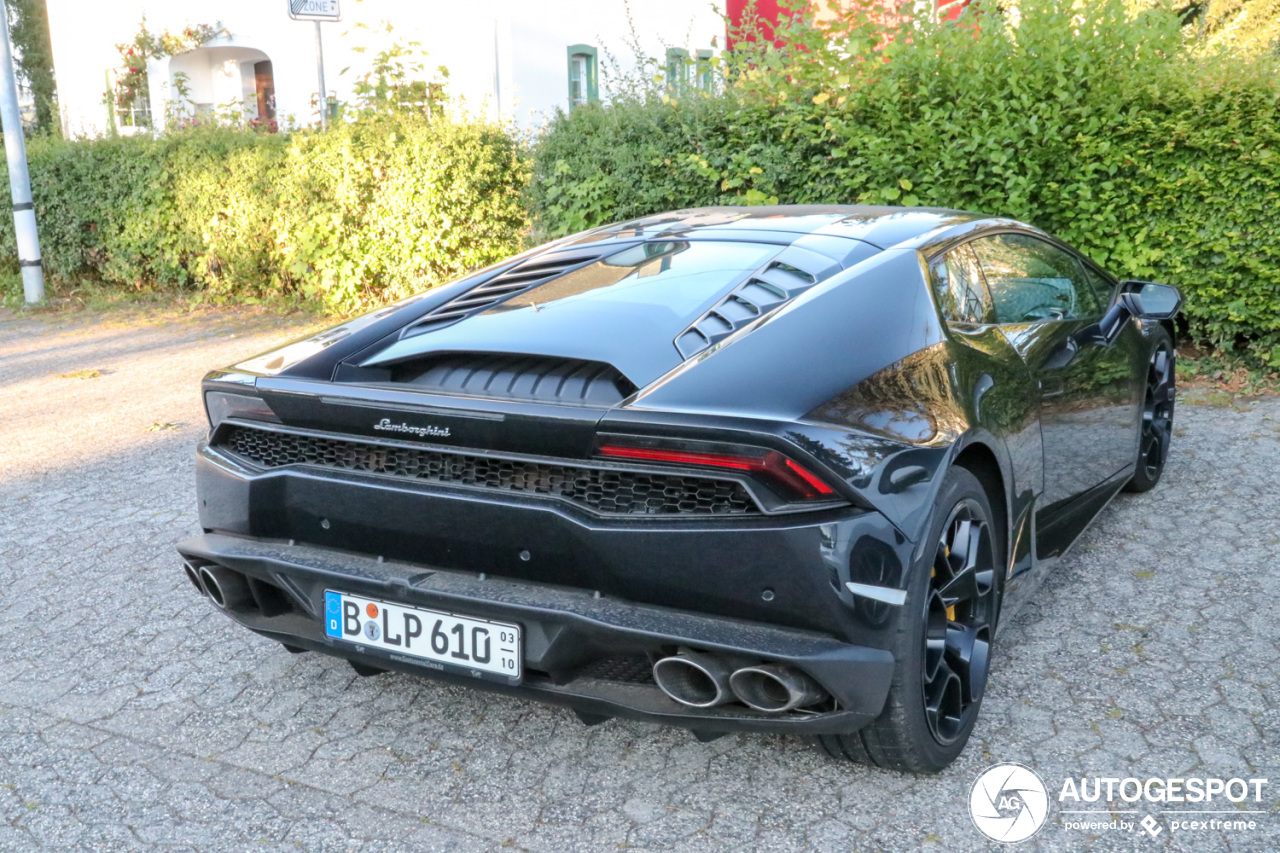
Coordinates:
[981,461]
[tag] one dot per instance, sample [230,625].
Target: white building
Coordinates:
[514,59]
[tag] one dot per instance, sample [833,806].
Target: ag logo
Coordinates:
[1008,803]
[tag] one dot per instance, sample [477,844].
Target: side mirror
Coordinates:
[1146,300]
[1131,303]
[1154,301]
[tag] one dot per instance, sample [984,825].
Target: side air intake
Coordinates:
[516,377]
[764,292]
[502,287]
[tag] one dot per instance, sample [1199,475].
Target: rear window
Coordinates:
[958,284]
[682,274]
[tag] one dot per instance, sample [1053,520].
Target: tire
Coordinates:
[1155,435]
[935,696]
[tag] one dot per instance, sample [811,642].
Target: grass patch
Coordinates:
[99,304]
[91,295]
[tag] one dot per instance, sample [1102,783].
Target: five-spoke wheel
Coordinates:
[959,614]
[1156,433]
[942,646]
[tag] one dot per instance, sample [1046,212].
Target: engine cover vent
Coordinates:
[502,287]
[517,377]
[764,292]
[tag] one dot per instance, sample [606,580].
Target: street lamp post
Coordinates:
[15,148]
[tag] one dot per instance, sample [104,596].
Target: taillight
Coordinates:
[791,479]
[220,405]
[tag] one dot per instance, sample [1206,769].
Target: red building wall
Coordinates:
[769,12]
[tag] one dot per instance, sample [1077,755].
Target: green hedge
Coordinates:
[345,218]
[1103,128]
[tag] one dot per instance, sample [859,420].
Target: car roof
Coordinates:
[880,226]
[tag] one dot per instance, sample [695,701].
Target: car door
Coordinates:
[1045,304]
[988,372]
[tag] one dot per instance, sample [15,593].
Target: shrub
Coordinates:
[346,218]
[1103,127]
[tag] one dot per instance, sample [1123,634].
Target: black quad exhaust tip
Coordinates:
[775,689]
[694,679]
[193,575]
[228,589]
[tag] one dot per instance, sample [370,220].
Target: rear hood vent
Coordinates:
[502,287]
[514,377]
[768,289]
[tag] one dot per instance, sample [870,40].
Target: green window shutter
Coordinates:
[584,75]
[677,70]
[705,80]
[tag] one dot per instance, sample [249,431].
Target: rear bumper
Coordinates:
[598,599]
[576,643]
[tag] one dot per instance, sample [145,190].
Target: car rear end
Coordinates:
[561,557]
[513,521]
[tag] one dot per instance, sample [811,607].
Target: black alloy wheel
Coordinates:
[1156,432]
[959,616]
[942,645]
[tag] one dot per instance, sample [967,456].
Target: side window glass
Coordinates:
[1101,285]
[1032,281]
[958,283]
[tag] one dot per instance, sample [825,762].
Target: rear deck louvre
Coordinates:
[766,291]
[500,288]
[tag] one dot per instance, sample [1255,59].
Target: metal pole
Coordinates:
[497,70]
[324,99]
[15,149]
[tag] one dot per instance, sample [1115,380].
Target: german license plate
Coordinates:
[479,646]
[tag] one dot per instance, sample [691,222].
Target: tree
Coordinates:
[1248,26]
[33,55]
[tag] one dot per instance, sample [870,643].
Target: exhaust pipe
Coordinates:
[694,679]
[775,689]
[228,589]
[194,577]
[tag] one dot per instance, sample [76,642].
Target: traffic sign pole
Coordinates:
[324,98]
[317,10]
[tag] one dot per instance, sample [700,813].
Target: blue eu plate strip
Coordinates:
[332,614]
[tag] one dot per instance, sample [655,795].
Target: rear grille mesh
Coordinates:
[603,491]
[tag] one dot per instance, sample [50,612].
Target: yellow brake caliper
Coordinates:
[933,573]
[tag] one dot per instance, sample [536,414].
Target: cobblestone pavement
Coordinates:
[133,716]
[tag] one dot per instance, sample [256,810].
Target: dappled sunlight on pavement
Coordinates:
[78,391]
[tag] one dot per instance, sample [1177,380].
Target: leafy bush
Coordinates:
[356,215]
[1103,127]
